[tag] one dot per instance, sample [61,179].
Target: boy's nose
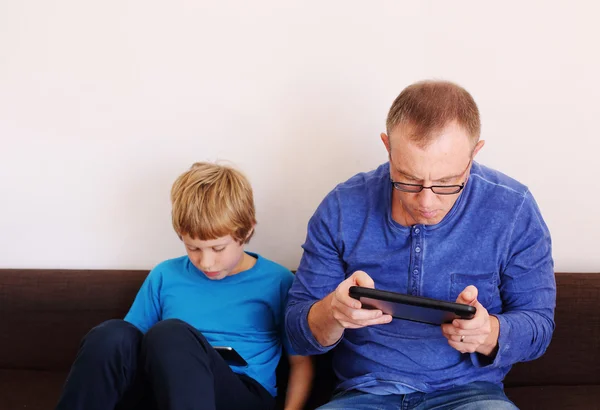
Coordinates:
[206,262]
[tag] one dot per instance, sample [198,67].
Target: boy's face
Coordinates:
[216,258]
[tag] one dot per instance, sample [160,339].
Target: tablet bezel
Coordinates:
[459,310]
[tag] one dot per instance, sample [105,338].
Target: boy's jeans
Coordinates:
[474,396]
[171,367]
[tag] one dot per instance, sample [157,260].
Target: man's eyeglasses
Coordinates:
[436,189]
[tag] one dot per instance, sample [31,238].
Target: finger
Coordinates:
[343,298]
[451,330]
[342,295]
[358,278]
[351,324]
[361,278]
[381,321]
[468,296]
[463,347]
[477,339]
[475,323]
[354,322]
[358,314]
[481,319]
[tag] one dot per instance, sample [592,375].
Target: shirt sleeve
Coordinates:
[285,285]
[145,311]
[321,270]
[528,292]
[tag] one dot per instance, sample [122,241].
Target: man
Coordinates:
[432,222]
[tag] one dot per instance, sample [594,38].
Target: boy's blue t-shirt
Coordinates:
[244,311]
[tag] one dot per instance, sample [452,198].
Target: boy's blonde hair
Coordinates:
[211,201]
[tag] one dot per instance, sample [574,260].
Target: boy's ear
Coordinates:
[247,239]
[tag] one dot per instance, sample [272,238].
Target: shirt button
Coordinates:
[417,249]
[416,271]
[417,230]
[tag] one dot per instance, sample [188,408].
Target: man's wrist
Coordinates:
[490,346]
[324,327]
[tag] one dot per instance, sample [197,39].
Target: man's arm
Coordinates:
[319,307]
[528,292]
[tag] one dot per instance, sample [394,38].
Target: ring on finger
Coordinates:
[462,338]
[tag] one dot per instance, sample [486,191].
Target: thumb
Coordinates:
[468,296]
[361,278]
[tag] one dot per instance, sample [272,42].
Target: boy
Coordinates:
[162,354]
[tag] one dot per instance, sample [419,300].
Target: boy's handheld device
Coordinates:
[415,308]
[231,356]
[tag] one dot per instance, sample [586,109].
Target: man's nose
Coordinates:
[426,199]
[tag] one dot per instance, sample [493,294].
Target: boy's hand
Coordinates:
[479,334]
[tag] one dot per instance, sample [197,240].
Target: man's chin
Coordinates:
[430,219]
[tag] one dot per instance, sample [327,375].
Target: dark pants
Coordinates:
[171,367]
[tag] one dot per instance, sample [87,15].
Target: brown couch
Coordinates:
[45,313]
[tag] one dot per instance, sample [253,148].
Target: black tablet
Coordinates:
[231,356]
[415,308]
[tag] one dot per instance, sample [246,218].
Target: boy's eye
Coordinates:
[219,249]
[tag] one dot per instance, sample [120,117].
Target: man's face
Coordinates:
[446,161]
[216,258]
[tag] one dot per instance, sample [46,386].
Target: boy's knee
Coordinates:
[171,334]
[167,329]
[112,337]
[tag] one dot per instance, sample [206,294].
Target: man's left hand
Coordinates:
[479,334]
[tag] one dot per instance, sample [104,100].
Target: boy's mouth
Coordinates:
[211,274]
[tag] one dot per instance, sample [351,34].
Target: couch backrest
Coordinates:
[45,313]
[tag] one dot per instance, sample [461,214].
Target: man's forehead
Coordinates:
[430,167]
[408,133]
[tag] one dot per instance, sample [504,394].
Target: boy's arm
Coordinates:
[301,367]
[299,382]
[145,311]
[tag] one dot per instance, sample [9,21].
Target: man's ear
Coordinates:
[386,141]
[478,147]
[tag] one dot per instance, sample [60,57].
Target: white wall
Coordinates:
[103,104]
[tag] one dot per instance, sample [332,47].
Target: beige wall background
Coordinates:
[103,104]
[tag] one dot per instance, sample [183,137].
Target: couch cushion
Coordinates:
[45,313]
[573,357]
[555,397]
[30,389]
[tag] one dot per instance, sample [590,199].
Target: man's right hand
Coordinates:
[338,311]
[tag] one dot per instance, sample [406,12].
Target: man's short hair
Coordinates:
[211,201]
[428,106]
